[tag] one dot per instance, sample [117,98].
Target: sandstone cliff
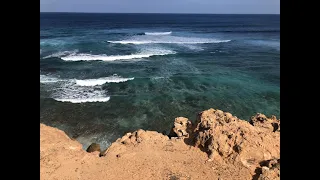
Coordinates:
[218,146]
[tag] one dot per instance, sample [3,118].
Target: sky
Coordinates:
[163,6]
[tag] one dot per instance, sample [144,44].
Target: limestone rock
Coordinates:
[268,124]
[271,171]
[139,136]
[225,136]
[181,128]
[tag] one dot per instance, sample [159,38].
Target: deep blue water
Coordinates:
[146,69]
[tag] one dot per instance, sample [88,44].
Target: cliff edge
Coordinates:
[217,146]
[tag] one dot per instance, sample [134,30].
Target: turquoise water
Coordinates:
[102,75]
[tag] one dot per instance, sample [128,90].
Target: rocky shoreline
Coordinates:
[217,146]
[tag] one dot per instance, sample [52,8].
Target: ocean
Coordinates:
[102,75]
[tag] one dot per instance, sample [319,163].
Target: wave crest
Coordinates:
[60,54]
[168,40]
[103,57]
[157,33]
[48,79]
[101,99]
[101,81]
[80,91]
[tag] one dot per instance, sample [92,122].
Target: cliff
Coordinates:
[218,146]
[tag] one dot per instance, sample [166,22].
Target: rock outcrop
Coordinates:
[181,128]
[270,170]
[269,124]
[217,146]
[226,138]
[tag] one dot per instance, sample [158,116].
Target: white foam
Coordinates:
[60,54]
[102,99]
[157,33]
[157,77]
[48,79]
[118,79]
[69,91]
[89,57]
[101,81]
[193,47]
[103,57]
[168,40]
[80,91]
[90,82]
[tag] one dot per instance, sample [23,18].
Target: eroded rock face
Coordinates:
[271,170]
[269,124]
[139,136]
[216,135]
[181,128]
[226,138]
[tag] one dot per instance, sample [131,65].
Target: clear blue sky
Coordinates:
[163,6]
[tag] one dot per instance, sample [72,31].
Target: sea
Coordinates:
[103,75]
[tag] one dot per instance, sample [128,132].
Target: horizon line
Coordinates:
[160,13]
